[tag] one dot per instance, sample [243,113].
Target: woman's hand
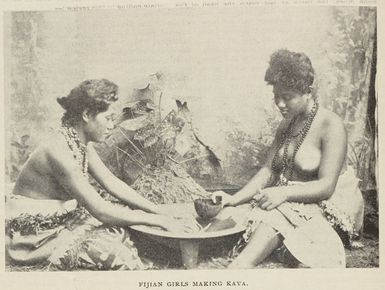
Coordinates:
[161,210]
[179,226]
[270,198]
[190,222]
[227,199]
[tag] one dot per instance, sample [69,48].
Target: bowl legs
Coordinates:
[189,252]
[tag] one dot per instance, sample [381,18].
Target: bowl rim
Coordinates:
[189,236]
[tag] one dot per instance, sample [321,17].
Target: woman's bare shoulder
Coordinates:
[55,140]
[55,148]
[331,122]
[46,157]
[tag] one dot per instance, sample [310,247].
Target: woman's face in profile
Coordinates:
[99,126]
[289,102]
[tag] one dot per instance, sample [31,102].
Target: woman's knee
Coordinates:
[266,231]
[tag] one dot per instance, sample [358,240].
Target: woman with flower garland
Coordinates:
[299,195]
[44,221]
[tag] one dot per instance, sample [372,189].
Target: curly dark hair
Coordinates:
[290,70]
[95,96]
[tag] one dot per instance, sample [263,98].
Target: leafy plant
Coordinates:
[155,154]
[21,149]
[248,153]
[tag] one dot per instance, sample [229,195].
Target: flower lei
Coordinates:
[78,149]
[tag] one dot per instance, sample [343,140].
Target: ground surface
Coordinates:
[215,256]
[365,255]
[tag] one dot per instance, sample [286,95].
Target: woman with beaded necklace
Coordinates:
[58,171]
[299,196]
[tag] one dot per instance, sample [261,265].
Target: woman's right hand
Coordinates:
[227,199]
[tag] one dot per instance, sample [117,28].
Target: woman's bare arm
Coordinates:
[251,188]
[115,186]
[333,150]
[261,179]
[69,175]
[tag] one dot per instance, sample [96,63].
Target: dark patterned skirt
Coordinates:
[67,239]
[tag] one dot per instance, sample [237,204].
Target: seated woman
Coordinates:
[299,194]
[44,221]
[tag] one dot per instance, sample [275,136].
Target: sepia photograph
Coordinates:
[194,137]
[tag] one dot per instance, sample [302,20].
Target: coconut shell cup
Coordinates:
[206,208]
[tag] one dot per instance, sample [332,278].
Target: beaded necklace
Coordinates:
[78,149]
[286,171]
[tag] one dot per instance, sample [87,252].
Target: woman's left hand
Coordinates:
[190,222]
[270,198]
[180,225]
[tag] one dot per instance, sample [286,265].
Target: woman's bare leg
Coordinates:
[262,243]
